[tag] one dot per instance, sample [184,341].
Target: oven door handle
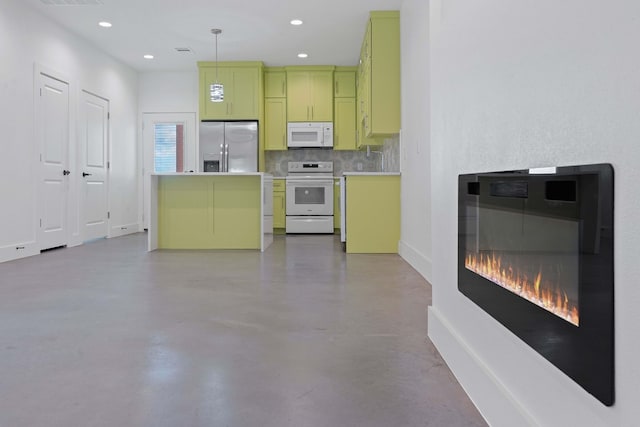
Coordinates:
[313,181]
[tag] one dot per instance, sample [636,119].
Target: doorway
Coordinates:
[169,145]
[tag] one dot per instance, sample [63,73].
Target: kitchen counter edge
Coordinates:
[371,173]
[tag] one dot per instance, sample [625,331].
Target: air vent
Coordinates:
[184,50]
[72,2]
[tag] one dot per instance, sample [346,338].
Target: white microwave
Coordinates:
[310,134]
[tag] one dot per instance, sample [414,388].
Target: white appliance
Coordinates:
[309,194]
[229,146]
[310,134]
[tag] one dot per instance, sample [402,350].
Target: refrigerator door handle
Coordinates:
[221,168]
[226,157]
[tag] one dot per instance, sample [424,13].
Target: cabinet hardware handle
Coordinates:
[85,174]
[283,89]
[312,112]
[337,91]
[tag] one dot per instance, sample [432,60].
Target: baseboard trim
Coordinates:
[123,230]
[417,260]
[494,401]
[18,250]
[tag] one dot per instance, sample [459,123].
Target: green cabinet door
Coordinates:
[344,125]
[279,199]
[298,96]
[321,96]
[275,122]
[336,203]
[275,84]
[214,110]
[344,85]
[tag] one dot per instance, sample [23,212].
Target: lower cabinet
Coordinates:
[336,203]
[373,213]
[279,203]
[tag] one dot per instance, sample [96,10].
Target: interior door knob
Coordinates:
[66,172]
[85,174]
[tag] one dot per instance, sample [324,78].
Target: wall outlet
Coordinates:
[359,166]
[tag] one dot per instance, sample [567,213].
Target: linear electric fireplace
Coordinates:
[535,251]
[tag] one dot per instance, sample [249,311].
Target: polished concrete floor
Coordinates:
[107,334]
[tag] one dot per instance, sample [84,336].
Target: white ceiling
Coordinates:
[253,30]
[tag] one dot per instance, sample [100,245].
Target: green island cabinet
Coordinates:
[378,87]
[275,109]
[279,203]
[310,93]
[344,108]
[242,90]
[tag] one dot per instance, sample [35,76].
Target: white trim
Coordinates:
[124,229]
[18,250]
[420,262]
[489,395]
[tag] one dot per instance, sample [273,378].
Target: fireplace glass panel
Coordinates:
[535,251]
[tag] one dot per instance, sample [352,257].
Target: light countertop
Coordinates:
[212,174]
[371,173]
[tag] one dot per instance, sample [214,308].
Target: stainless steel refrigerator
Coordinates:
[229,146]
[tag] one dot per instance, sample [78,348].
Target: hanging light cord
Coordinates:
[217,58]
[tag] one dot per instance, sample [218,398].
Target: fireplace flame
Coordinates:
[538,291]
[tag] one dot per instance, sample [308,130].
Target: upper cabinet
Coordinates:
[242,83]
[344,109]
[275,83]
[379,76]
[344,83]
[309,94]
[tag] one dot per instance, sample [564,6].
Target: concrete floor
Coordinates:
[107,334]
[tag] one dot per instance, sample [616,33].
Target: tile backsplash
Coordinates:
[343,161]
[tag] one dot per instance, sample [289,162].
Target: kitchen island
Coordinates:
[211,211]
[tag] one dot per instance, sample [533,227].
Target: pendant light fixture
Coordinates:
[216,90]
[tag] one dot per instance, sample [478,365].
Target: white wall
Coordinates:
[415,238]
[517,84]
[27,40]
[169,91]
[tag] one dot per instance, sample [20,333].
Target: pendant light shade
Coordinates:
[216,90]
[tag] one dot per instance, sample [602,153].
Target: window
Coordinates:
[168,150]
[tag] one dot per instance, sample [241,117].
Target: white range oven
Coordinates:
[309,195]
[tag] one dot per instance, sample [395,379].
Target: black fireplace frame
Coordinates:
[586,352]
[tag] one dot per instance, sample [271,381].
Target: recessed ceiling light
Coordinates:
[148,56]
[302,55]
[105,24]
[296,22]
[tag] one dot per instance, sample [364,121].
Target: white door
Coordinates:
[53,135]
[169,144]
[93,150]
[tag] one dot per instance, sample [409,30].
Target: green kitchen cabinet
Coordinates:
[344,125]
[242,83]
[275,83]
[275,124]
[379,76]
[336,203]
[372,213]
[310,94]
[344,82]
[279,203]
